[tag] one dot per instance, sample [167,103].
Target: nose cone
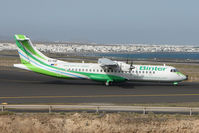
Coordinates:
[184,77]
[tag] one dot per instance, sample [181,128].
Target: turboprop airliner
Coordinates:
[106,70]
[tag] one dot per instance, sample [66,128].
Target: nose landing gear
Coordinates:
[175,83]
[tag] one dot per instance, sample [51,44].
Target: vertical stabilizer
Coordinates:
[26,50]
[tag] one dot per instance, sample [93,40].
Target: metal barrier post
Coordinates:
[2,108]
[50,109]
[144,111]
[190,113]
[97,109]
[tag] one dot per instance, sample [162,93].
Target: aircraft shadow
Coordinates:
[125,85]
[131,85]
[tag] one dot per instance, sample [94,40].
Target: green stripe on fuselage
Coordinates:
[42,71]
[179,73]
[101,77]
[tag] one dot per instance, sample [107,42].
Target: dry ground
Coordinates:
[98,123]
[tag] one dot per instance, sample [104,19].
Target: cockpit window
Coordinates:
[174,70]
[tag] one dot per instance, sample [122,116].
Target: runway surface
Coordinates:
[29,87]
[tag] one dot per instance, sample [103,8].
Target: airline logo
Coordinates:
[152,68]
[53,64]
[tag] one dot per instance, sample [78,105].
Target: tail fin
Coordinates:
[26,49]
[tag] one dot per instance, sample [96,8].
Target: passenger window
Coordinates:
[97,70]
[101,70]
[79,69]
[142,71]
[153,72]
[93,70]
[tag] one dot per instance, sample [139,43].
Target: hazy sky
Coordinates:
[102,21]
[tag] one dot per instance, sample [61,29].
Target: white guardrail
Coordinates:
[96,108]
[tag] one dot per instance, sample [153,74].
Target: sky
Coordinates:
[102,21]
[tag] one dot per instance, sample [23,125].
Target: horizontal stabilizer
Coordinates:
[21,66]
[21,37]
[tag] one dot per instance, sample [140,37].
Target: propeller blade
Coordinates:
[131,66]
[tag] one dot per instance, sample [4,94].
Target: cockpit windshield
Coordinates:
[174,70]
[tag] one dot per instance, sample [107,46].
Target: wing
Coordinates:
[104,62]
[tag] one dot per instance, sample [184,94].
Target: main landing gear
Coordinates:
[108,83]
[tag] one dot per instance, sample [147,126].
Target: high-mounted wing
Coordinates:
[104,62]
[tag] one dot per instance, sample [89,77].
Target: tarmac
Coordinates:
[19,87]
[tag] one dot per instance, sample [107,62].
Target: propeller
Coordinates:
[131,66]
[127,61]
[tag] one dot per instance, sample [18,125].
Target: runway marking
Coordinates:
[99,96]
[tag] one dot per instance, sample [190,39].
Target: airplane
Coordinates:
[105,70]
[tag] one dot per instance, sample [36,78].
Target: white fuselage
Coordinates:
[138,73]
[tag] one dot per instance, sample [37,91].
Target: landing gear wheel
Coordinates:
[108,83]
[175,83]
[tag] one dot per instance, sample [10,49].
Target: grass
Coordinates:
[7,113]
